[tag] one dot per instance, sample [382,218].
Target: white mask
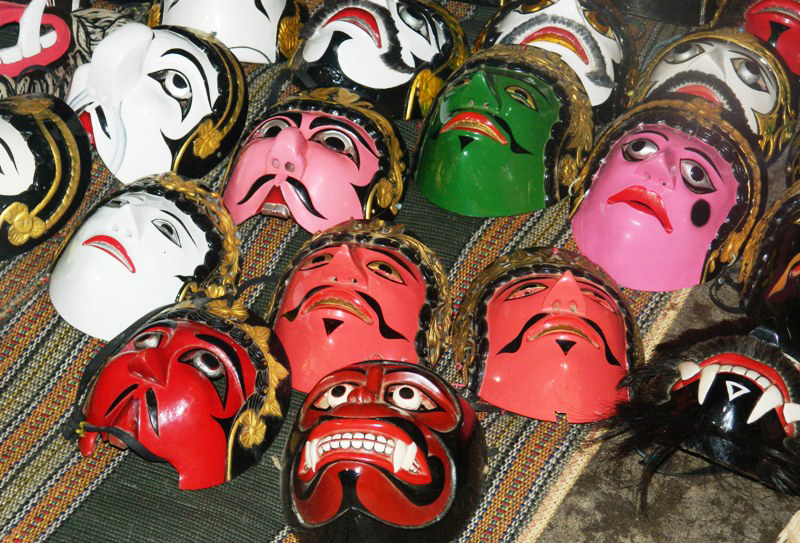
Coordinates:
[17,164]
[129,257]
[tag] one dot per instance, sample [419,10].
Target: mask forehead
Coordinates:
[656,183]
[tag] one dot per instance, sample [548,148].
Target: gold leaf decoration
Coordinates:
[235,311]
[154,16]
[30,106]
[429,86]
[23,225]
[208,139]
[253,429]
[289,35]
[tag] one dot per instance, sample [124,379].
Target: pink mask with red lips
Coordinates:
[44,38]
[313,167]
[654,208]
[349,303]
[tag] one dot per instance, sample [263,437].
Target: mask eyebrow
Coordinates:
[323,121]
[396,259]
[705,156]
[181,223]
[652,132]
[521,281]
[190,58]
[10,154]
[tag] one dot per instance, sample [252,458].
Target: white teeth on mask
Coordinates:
[29,42]
[403,456]
[688,370]
[791,412]
[399,456]
[308,456]
[707,376]
[410,456]
[770,399]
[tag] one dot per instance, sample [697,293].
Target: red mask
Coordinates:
[175,388]
[777,22]
[385,450]
[348,303]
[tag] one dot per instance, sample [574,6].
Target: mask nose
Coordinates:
[288,153]
[565,296]
[361,395]
[345,269]
[659,170]
[477,94]
[116,65]
[150,366]
[123,222]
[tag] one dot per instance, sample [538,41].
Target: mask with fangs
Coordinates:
[45,164]
[543,332]
[777,22]
[194,385]
[363,290]
[668,195]
[152,243]
[176,100]
[732,400]
[382,452]
[395,52]
[735,70]
[587,34]
[321,157]
[44,37]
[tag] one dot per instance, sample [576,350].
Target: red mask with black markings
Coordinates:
[383,451]
[777,22]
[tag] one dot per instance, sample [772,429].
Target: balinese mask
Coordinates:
[195,386]
[321,158]
[770,271]
[382,452]
[43,40]
[159,100]
[144,247]
[360,291]
[544,332]
[45,163]
[777,22]
[732,69]
[587,35]
[395,52]
[260,31]
[733,400]
[668,196]
[505,135]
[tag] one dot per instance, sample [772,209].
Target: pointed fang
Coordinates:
[770,399]
[707,376]
[688,370]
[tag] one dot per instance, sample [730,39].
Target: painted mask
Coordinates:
[770,271]
[734,401]
[396,52]
[44,37]
[257,31]
[777,22]
[360,291]
[543,332]
[505,135]
[730,68]
[45,163]
[382,451]
[144,247]
[321,158]
[587,35]
[176,100]
[192,386]
[675,189]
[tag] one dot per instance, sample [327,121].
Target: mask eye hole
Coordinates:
[335,396]
[599,299]
[536,5]
[338,141]
[522,96]
[148,340]
[271,128]
[413,19]
[175,84]
[695,177]
[205,361]
[316,261]
[750,73]
[168,230]
[409,397]
[683,53]
[639,149]
[526,289]
[386,270]
[595,21]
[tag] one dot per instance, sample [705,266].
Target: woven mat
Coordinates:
[116,496]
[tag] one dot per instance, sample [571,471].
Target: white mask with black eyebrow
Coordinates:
[248,27]
[143,89]
[17,164]
[130,256]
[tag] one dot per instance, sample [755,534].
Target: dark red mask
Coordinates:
[777,22]
[383,451]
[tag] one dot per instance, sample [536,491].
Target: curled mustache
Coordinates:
[295,184]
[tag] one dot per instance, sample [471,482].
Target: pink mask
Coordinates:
[655,206]
[313,167]
[349,303]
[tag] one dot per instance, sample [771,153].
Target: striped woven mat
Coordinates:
[48,489]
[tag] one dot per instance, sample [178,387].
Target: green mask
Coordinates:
[484,144]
